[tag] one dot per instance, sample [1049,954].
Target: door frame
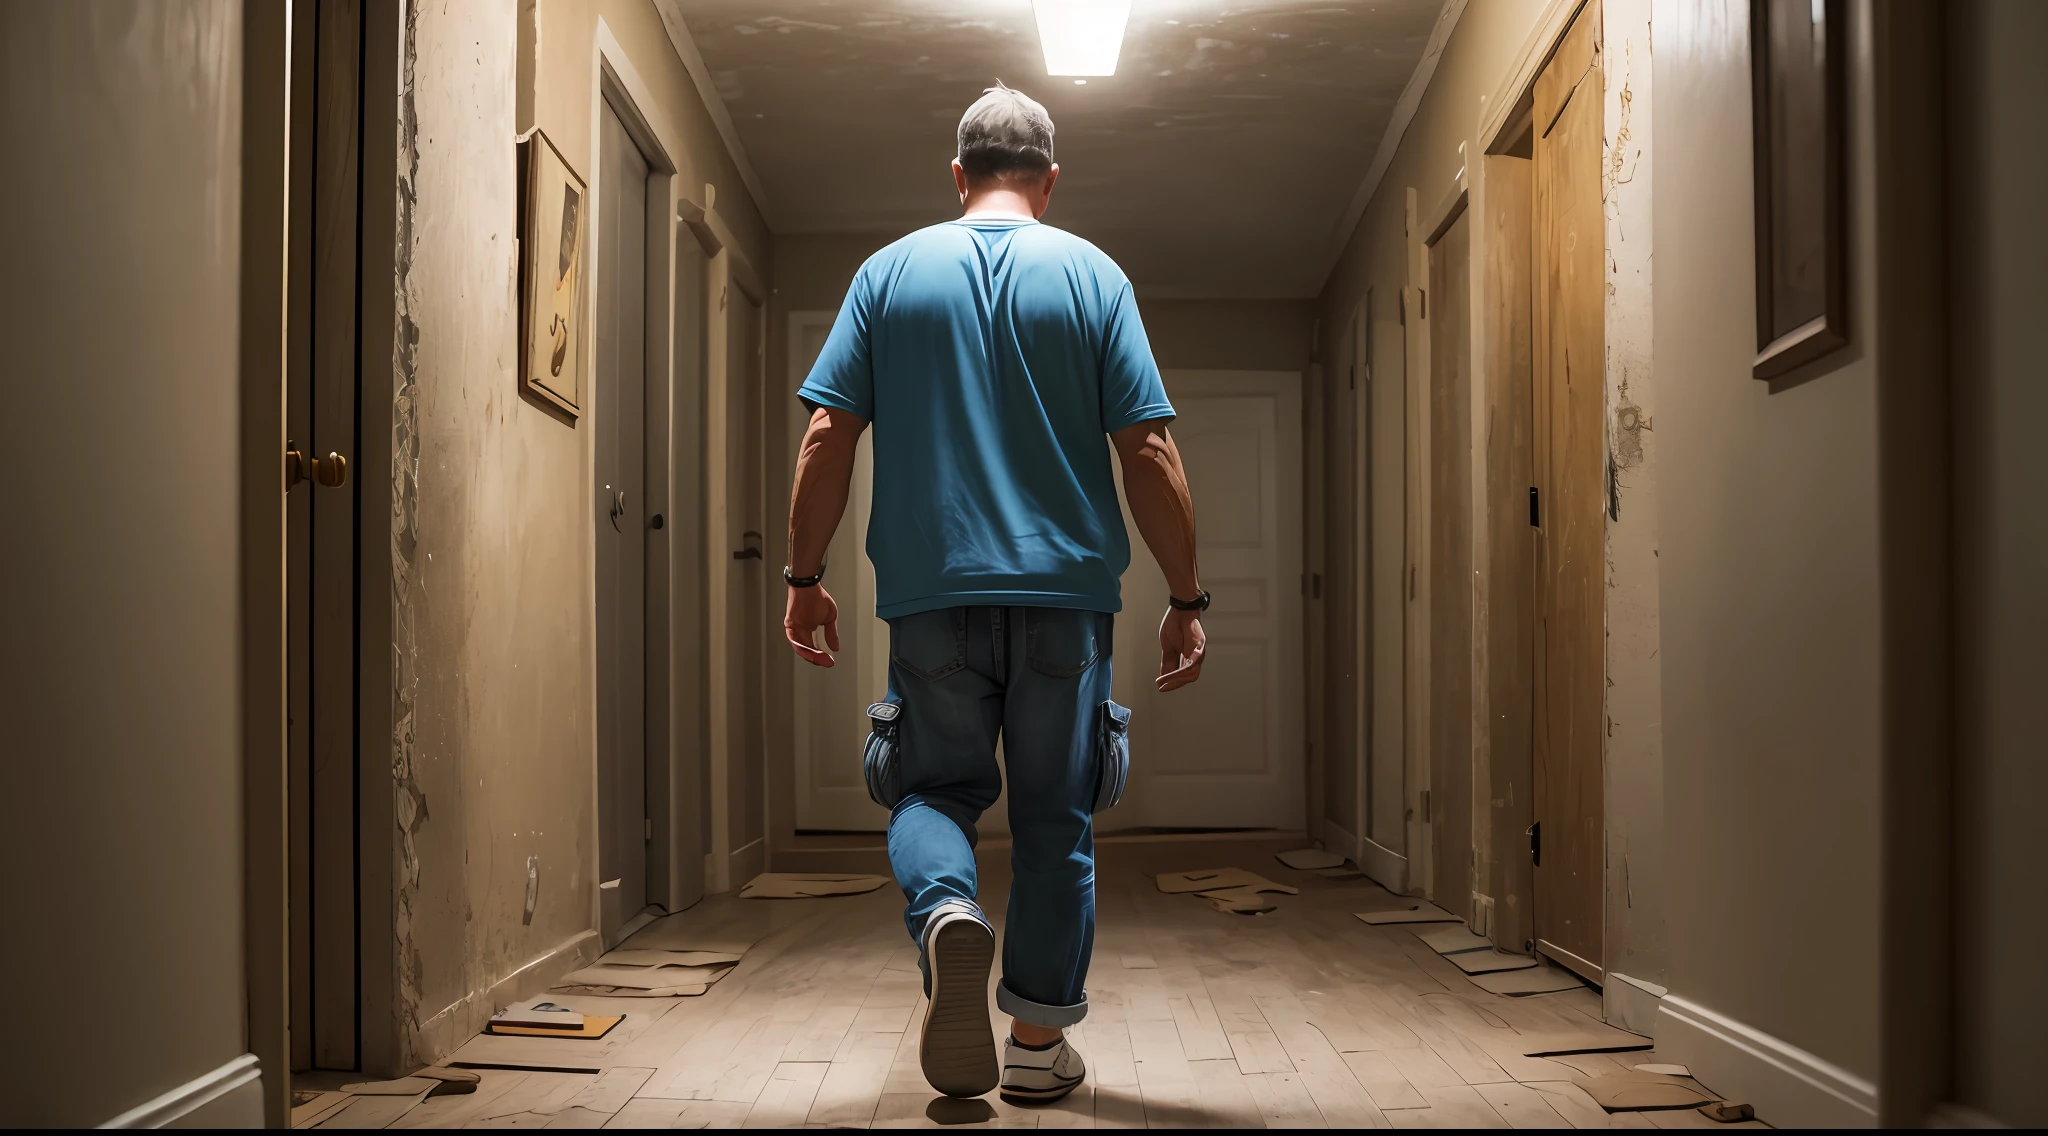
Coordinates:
[673,425]
[1455,204]
[728,266]
[656,337]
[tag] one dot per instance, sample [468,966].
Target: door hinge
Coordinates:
[1535,512]
[1536,844]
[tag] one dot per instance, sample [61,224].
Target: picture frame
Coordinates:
[554,211]
[1798,123]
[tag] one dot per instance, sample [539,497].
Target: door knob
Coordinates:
[331,471]
[750,546]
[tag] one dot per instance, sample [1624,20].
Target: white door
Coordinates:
[831,702]
[1225,752]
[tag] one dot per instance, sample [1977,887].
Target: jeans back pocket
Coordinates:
[1112,755]
[882,762]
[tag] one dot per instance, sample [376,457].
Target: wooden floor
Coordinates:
[1305,1017]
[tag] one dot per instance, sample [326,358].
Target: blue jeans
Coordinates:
[1039,678]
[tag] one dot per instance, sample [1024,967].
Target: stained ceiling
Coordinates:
[1218,161]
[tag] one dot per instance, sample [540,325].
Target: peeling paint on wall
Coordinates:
[410,804]
[1635,747]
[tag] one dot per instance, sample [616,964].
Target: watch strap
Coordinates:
[795,581]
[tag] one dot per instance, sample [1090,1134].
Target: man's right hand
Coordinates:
[1181,644]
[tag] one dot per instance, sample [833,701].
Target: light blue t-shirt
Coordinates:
[993,357]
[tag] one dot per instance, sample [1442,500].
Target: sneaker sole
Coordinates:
[1037,1096]
[958,1050]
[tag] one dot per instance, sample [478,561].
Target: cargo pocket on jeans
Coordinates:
[882,763]
[1112,755]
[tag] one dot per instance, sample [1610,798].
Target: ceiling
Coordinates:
[1218,161]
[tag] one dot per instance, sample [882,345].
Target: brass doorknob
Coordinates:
[331,471]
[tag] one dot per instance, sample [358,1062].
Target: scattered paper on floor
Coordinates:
[1215,879]
[797,885]
[646,977]
[624,957]
[1667,1070]
[1413,912]
[1592,1037]
[1240,900]
[593,1027]
[1634,1090]
[1543,979]
[1450,940]
[1309,859]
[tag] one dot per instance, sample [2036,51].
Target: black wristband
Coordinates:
[1199,603]
[803,581]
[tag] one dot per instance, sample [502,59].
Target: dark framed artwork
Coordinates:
[553,212]
[1796,49]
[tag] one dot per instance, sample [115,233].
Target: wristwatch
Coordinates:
[1199,603]
[803,581]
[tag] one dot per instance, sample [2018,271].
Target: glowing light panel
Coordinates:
[1081,37]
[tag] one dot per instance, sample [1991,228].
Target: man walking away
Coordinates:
[992,354]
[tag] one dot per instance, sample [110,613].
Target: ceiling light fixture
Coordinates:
[1081,37]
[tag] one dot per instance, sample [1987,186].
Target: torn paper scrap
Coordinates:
[794,885]
[1309,859]
[1418,912]
[1632,1090]
[1215,879]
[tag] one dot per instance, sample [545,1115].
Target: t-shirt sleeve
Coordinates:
[1131,388]
[843,378]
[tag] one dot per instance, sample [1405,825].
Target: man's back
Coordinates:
[992,356]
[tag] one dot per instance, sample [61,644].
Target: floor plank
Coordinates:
[1304,1017]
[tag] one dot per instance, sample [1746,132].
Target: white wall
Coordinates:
[120,656]
[1773,640]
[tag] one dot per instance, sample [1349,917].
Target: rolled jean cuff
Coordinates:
[1038,1014]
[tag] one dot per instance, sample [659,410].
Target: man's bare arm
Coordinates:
[824,477]
[1156,486]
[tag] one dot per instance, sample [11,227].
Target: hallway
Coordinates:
[1304,1017]
[1608,438]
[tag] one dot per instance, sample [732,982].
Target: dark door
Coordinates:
[622,518]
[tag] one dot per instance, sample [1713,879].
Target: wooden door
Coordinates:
[1226,752]
[621,519]
[1450,566]
[1570,477]
[323,392]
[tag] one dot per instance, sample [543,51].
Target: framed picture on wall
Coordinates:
[1796,49]
[553,207]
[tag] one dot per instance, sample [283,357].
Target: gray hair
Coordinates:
[1005,132]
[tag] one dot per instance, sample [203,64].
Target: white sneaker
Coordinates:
[958,1050]
[1035,1076]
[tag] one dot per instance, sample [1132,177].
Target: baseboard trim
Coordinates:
[1789,1087]
[1387,867]
[446,1031]
[747,861]
[228,1097]
[1584,968]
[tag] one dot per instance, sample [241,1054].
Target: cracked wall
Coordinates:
[493,753]
[1634,788]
